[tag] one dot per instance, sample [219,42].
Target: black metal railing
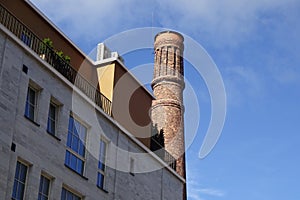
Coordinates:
[160,151]
[20,30]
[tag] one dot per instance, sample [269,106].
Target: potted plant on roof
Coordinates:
[66,58]
[45,46]
[61,60]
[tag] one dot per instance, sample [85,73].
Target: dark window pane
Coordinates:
[44,188]
[51,119]
[69,139]
[73,162]
[31,93]
[23,170]
[27,110]
[41,184]
[101,165]
[52,111]
[51,127]
[19,182]
[30,104]
[79,166]
[77,145]
[15,189]
[100,180]
[31,112]
[81,149]
[102,155]
[71,124]
[67,159]
[21,191]
[17,174]
[76,198]
[63,194]
[67,195]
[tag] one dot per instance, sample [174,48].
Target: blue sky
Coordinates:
[255,45]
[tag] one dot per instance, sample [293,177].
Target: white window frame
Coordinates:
[82,158]
[68,189]
[103,172]
[56,105]
[37,90]
[26,178]
[50,183]
[33,104]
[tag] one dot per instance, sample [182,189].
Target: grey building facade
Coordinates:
[58,143]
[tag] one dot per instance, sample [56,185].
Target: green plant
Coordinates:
[60,54]
[67,59]
[47,42]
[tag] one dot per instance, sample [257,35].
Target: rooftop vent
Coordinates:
[103,52]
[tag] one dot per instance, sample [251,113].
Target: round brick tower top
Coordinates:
[169,38]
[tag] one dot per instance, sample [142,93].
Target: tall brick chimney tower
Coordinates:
[168,84]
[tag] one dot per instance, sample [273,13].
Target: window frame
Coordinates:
[56,107]
[19,182]
[37,90]
[49,186]
[73,152]
[99,170]
[70,191]
[28,103]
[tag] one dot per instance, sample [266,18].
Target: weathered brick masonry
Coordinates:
[168,84]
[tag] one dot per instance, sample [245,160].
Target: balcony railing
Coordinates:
[50,56]
[160,151]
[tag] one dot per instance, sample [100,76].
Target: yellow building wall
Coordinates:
[106,80]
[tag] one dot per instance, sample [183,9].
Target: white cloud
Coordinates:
[211,191]
[95,20]
[195,196]
[228,22]
[198,192]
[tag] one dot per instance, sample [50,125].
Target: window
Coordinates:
[52,117]
[75,152]
[19,181]
[31,104]
[101,164]
[44,188]
[67,195]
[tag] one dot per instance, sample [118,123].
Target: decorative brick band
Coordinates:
[166,102]
[169,79]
